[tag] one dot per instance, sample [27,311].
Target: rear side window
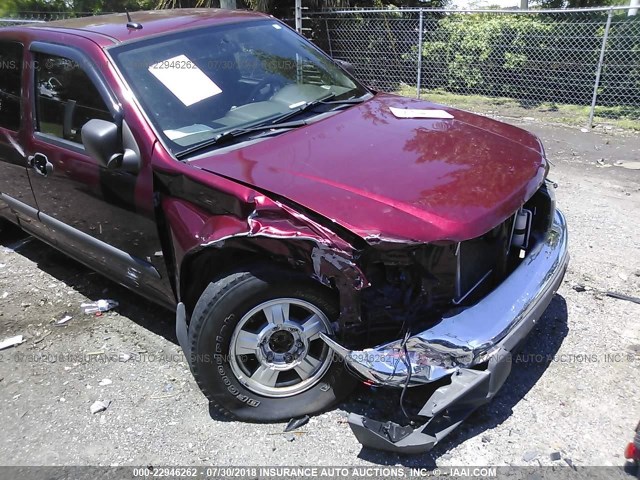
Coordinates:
[66,98]
[10,84]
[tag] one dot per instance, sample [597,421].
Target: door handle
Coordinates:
[41,164]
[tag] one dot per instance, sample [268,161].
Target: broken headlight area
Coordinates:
[414,287]
[453,313]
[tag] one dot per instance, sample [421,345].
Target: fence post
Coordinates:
[326,27]
[599,68]
[419,79]
[298,16]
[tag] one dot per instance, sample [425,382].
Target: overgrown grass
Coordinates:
[618,116]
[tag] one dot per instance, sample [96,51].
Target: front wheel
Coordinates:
[256,347]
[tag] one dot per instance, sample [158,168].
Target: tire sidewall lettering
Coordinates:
[221,359]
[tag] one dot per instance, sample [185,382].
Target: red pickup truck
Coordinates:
[307,230]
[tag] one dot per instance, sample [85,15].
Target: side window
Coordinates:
[66,98]
[10,84]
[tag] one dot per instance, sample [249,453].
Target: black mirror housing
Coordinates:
[347,66]
[102,141]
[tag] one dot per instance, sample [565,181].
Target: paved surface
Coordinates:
[574,388]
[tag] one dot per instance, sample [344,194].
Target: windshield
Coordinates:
[196,85]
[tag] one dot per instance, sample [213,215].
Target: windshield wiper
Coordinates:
[301,109]
[326,100]
[238,132]
[346,101]
[277,123]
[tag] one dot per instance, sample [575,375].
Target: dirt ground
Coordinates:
[574,388]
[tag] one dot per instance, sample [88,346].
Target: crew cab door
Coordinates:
[16,196]
[93,213]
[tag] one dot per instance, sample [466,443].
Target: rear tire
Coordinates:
[256,350]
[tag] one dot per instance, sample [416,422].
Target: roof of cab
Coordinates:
[153,22]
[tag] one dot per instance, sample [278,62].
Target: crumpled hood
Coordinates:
[396,179]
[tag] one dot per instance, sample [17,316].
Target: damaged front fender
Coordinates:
[269,230]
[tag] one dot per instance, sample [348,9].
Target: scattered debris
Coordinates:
[555,456]
[103,419]
[623,276]
[621,296]
[64,320]
[104,382]
[99,406]
[296,423]
[578,287]
[629,165]
[42,337]
[601,163]
[99,306]
[4,295]
[584,130]
[11,342]
[486,439]
[529,455]
[570,463]
[168,388]
[287,434]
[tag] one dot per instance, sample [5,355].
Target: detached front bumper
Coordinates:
[482,337]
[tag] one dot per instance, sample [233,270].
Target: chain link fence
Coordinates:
[584,62]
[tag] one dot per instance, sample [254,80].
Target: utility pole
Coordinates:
[634,10]
[524,4]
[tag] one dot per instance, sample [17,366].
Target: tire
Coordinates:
[250,363]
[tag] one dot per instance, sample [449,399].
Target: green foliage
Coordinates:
[479,49]
[521,56]
[534,58]
[76,6]
[576,3]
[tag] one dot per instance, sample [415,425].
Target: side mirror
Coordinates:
[347,66]
[114,149]
[101,140]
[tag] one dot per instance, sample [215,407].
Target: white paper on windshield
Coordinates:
[419,113]
[179,133]
[184,79]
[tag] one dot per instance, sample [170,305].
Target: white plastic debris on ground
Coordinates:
[11,342]
[99,306]
[99,406]
[64,320]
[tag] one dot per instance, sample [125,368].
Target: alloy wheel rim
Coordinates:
[276,349]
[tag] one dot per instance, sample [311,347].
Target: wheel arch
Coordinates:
[212,262]
[206,246]
[315,261]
